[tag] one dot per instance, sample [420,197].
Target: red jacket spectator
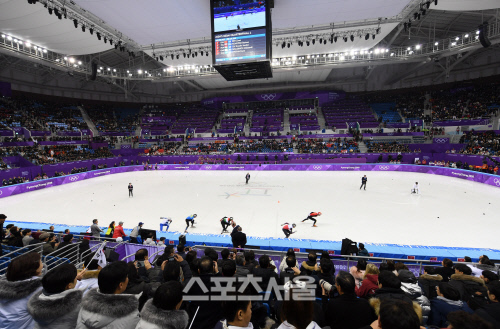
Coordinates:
[119,232]
[368,287]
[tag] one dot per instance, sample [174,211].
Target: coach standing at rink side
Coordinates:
[130,190]
[363,182]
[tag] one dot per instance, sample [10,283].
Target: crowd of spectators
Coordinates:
[63,153]
[108,119]
[333,145]
[266,145]
[177,289]
[483,143]
[392,147]
[163,148]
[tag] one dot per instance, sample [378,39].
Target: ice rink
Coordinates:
[448,212]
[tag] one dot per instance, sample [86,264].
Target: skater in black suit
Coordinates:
[247,177]
[363,182]
[130,190]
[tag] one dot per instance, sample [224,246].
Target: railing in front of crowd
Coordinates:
[68,254]
[7,258]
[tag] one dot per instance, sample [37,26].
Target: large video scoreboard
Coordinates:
[241,32]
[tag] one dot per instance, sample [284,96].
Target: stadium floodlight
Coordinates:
[466,36]
[28,44]
[79,62]
[139,71]
[436,43]
[409,48]
[45,51]
[457,38]
[417,47]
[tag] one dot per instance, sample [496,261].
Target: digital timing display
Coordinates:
[236,47]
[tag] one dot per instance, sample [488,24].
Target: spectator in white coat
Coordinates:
[22,281]
[163,311]
[107,307]
[57,306]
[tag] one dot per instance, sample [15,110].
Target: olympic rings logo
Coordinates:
[441,140]
[317,167]
[268,97]
[73,178]
[497,181]
[383,167]
[1,192]
[208,167]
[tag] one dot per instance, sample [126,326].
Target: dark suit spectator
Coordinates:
[250,260]
[239,238]
[347,310]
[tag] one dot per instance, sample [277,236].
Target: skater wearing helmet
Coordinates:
[190,219]
[311,217]
[225,222]
[287,229]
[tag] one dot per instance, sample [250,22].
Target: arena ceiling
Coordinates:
[155,26]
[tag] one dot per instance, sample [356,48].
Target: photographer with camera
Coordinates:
[169,257]
[291,270]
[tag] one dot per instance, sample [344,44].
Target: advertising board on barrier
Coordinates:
[493,180]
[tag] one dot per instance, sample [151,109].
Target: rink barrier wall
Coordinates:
[302,245]
[411,252]
[473,176]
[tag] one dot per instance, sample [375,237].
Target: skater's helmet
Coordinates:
[230,218]
[293,225]
[195,215]
[319,213]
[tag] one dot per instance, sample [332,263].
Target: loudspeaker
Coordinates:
[483,35]
[94,71]
[348,247]
[182,239]
[111,255]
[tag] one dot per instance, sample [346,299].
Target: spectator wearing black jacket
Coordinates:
[429,281]
[326,272]
[238,238]
[491,312]
[265,271]
[347,311]
[250,261]
[209,312]
[290,270]
[447,270]
[472,289]
[390,288]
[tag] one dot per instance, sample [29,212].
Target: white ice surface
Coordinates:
[448,212]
